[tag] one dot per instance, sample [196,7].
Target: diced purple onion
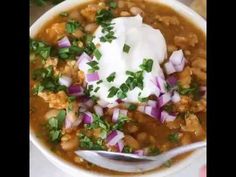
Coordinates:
[75,90]
[152,111]
[65,80]
[82,61]
[180,67]
[164,99]
[119,101]
[102,103]
[98,110]
[64,42]
[166,117]
[152,103]
[87,118]
[114,137]
[123,112]
[177,57]
[139,152]
[176,97]
[72,121]
[203,91]
[172,81]
[120,145]
[115,115]
[83,98]
[169,68]
[68,123]
[161,84]
[90,77]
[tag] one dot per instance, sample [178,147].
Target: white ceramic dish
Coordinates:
[74,170]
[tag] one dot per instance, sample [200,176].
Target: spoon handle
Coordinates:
[180,150]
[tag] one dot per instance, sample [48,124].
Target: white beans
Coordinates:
[136,11]
[91,27]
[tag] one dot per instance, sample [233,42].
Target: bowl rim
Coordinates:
[72,169]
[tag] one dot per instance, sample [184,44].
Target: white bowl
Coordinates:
[75,170]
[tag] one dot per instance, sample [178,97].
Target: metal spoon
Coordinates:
[132,163]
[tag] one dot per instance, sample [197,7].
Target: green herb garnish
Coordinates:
[119,125]
[96,89]
[147,65]
[64,14]
[111,77]
[153,150]
[93,65]
[97,54]
[112,92]
[126,48]
[173,137]
[127,149]
[132,107]
[72,26]
[112,4]
[40,49]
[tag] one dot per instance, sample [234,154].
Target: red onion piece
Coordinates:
[139,152]
[90,77]
[161,84]
[119,101]
[65,80]
[180,67]
[172,81]
[82,61]
[98,110]
[75,90]
[115,115]
[152,111]
[166,117]
[64,42]
[88,118]
[114,137]
[203,91]
[169,68]
[120,145]
[164,99]
[102,103]
[177,57]
[72,120]
[176,97]
[152,103]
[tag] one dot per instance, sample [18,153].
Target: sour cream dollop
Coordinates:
[145,42]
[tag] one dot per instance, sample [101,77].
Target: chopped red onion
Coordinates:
[164,99]
[64,42]
[123,112]
[90,77]
[88,118]
[102,103]
[65,80]
[169,68]
[82,61]
[172,81]
[161,84]
[114,137]
[152,103]
[166,117]
[203,91]
[98,110]
[177,57]
[72,120]
[68,123]
[180,67]
[139,152]
[176,97]
[115,115]
[152,111]
[120,145]
[119,101]
[75,90]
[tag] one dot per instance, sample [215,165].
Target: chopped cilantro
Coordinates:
[147,65]
[127,149]
[72,26]
[112,92]
[120,122]
[173,137]
[132,107]
[153,150]
[126,48]
[111,77]
[97,54]
[40,49]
